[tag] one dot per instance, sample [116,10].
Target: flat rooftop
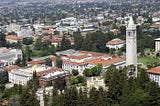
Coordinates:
[37,68]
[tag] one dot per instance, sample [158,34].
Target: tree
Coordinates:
[74,80]
[123,30]
[52,50]
[2,39]
[93,94]
[87,72]
[27,41]
[33,84]
[78,79]
[128,89]
[65,43]
[142,79]
[28,96]
[95,71]
[140,97]
[14,100]
[95,41]
[109,73]
[154,92]
[33,100]
[18,62]
[45,45]
[47,99]
[59,62]
[60,84]
[55,98]
[82,98]
[75,72]
[28,53]
[114,88]
[24,98]
[3,77]
[78,41]
[48,62]
[38,43]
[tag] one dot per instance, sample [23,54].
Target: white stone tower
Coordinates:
[131,45]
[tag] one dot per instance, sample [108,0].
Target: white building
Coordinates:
[19,77]
[80,60]
[154,74]
[96,82]
[13,27]
[115,44]
[25,32]
[131,44]
[71,21]
[9,56]
[23,75]
[157,44]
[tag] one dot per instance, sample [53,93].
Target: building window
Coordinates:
[129,33]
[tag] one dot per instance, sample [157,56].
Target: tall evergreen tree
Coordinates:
[114,89]
[55,97]
[65,44]
[2,39]
[154,92]
[109,73]
[78,41]
[93,94]
[82,98]
[24,98]
[59,62]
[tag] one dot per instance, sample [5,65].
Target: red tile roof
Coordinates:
[9,68]
[34,62]
[41,61]
[77,57]
[14,37]
[49,31]
[106,61]
[74,63]
[45,72]
[95,54]
[115,41]
[155,70]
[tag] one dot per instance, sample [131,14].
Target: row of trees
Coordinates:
[95,41]
[95,71]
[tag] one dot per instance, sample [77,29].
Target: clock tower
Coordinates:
[131,45]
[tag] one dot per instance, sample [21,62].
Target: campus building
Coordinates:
[80,60]
[115,44]
[8,57]
[23,75]
[154,74]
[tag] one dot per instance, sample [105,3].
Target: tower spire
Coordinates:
[131,22]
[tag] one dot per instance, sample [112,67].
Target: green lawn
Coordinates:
[148,60]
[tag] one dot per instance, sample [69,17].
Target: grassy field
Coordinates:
[148,60]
